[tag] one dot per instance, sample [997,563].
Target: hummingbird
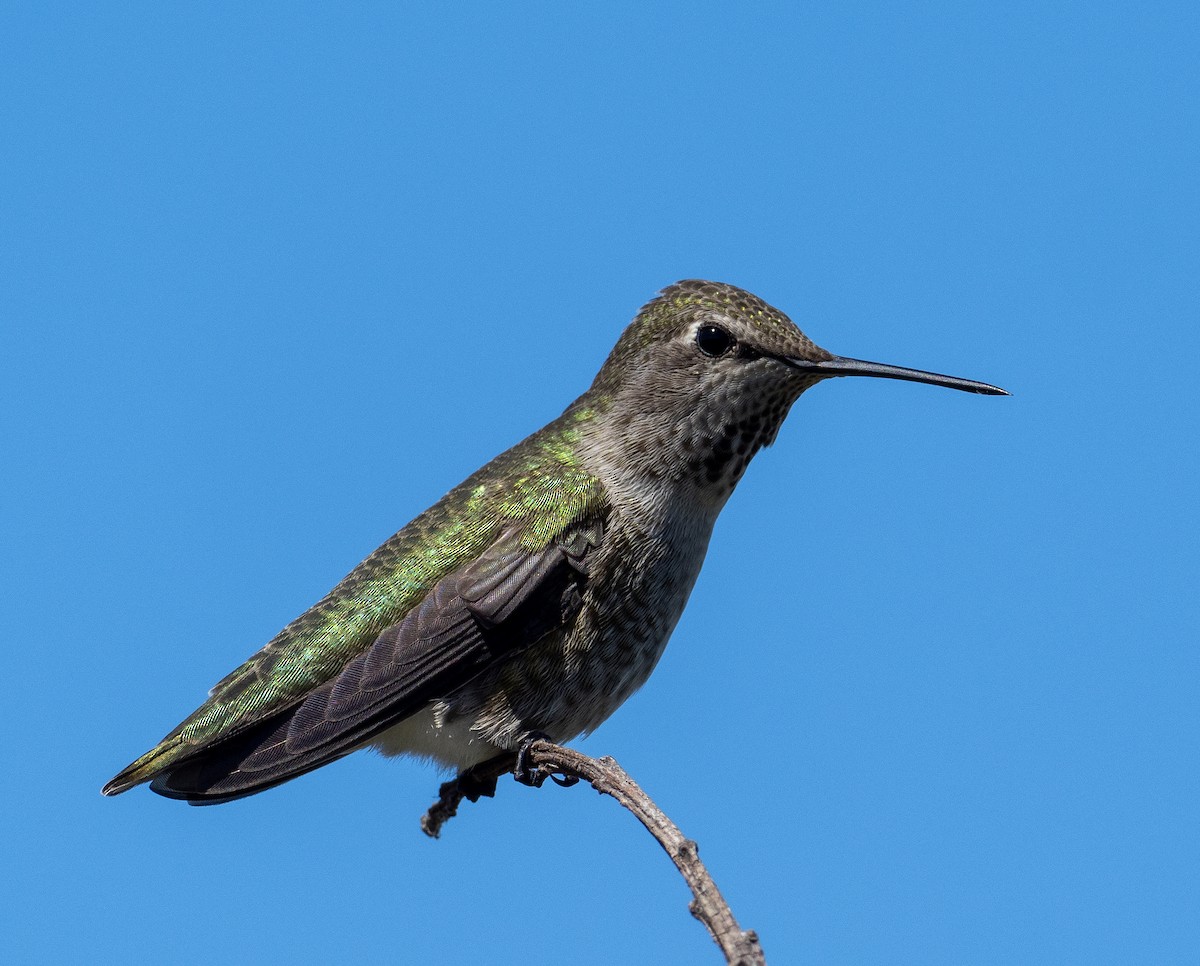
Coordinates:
[536,596]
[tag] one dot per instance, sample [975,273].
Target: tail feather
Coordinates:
[251,761]
[225,771]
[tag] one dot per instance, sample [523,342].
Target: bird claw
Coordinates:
[535,775]
[524,771]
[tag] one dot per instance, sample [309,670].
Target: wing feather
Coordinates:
[534,490]
[507,598]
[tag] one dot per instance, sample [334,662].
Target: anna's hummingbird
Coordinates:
[536,596]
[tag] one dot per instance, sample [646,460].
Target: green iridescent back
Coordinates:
[536,485]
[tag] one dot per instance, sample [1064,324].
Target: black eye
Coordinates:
[713,341]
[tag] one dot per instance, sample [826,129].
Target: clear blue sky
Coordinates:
[273,280]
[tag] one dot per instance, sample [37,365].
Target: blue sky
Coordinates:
[276,278]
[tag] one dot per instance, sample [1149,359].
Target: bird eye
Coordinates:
[713,341]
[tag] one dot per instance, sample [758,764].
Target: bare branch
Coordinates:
[741,947]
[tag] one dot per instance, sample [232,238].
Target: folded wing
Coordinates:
[504,600]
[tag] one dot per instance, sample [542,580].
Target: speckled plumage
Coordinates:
[535,596]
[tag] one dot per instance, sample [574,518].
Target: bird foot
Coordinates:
[524,770]
[533,775]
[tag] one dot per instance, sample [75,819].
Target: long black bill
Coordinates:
[841,366]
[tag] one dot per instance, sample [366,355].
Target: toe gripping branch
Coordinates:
[479,781]
[533,775]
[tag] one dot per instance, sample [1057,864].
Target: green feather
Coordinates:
[537,484]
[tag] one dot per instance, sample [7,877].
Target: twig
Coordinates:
[741,947]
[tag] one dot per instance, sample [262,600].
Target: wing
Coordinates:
[524,504]
[506,599]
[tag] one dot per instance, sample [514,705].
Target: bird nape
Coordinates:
[537,595]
